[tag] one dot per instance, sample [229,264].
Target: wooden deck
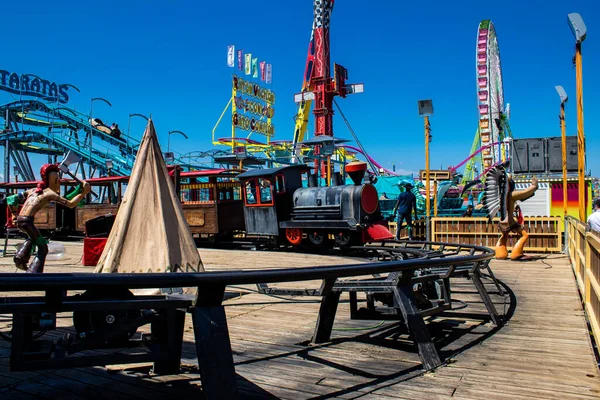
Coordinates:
[543,352]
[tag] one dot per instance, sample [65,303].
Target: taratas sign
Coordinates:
[31,85]
[252,108]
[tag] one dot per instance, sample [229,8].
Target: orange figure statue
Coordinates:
[500,197]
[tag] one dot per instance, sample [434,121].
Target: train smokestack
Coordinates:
[356,171]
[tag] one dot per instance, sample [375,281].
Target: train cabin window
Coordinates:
[266,197]
[279,184]
[250,192]
[258,192]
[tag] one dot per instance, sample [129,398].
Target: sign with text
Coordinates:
[252,107]
[31,85]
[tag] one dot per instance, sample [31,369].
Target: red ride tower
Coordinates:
[324,87]
[323,84]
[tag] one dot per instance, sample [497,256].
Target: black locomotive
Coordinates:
[277,205]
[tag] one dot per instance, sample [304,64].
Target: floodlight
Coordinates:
[562,94]
[425,107]
[577,26]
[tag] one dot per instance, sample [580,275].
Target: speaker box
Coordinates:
[519,156]
[555,154]
[572,153]
[537,155]
[99,226]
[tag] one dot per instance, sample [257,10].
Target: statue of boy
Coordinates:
[34,200]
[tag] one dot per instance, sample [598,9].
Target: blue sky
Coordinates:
[168,58]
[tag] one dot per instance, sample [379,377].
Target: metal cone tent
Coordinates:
[150,233]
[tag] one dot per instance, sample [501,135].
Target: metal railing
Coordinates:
[583,247]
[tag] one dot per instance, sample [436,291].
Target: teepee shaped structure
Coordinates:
[150,233]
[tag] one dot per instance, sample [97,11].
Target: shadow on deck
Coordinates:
[543,350]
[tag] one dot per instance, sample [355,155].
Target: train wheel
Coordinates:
[343,239]
[316,237]
[293,235]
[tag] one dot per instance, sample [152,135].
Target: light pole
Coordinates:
[169,142]
[579,31]
[563,127]
[92,128]
[425,111]
[129,125]
[129,121]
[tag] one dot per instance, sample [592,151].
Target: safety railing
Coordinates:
[545,233]
[584,252]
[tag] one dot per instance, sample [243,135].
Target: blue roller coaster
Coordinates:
[33,126]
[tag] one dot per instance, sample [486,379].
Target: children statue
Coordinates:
[33,201]
[500,197]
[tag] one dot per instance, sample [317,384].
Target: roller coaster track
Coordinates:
[64,127]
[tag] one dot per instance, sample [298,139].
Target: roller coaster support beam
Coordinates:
[579,31]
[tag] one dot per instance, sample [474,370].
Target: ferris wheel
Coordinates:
[493,126]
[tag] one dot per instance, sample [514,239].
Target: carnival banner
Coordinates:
[255,67]
[269,72]
[240,58]
[247,63]
[262,71]
[230,56]
[252,107]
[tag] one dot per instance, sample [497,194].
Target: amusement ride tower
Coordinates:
[319,87]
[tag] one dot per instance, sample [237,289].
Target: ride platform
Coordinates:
[543,351]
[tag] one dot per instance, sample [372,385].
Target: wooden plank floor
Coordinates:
[543,352]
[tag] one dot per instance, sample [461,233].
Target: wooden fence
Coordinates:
[545,233]
[584,252]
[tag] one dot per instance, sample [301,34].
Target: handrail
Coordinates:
[84,281]
[583,247]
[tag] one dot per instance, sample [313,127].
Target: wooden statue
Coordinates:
[34,200]
[500,197]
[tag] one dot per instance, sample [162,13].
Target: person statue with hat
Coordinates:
[407,202]
[33,201]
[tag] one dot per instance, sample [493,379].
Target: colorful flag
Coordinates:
[240,58]
[230,56]
[269,73]
[262,71]
[247,62]
[255,67]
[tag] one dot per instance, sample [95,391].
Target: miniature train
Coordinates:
[219,204]
[349,214]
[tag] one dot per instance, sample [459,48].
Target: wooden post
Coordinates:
[427,182]
[580,134]
[564,157]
